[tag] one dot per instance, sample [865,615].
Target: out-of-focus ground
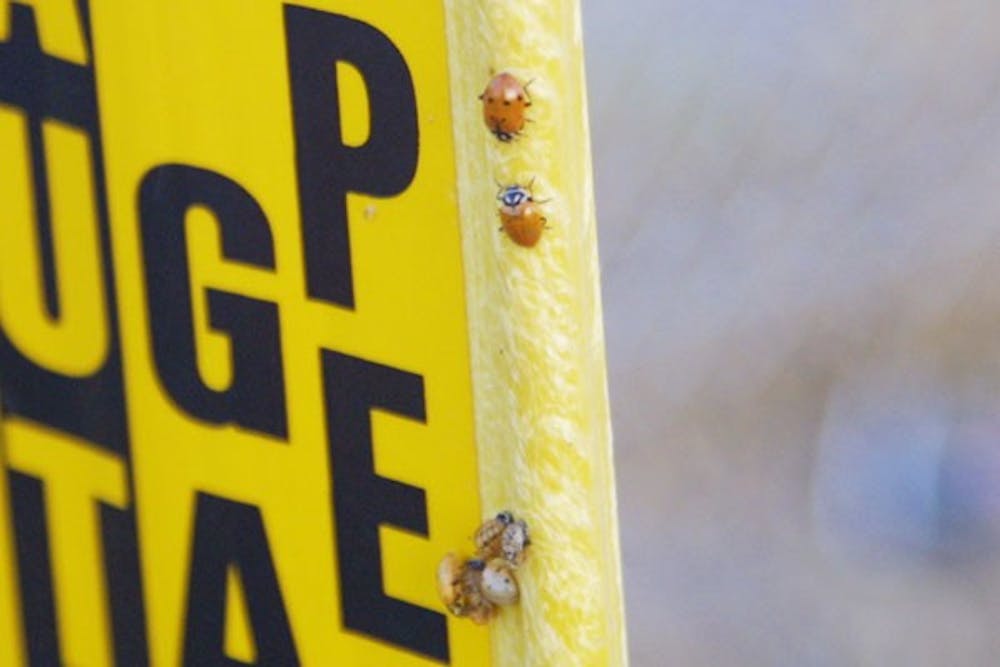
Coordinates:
[799,205]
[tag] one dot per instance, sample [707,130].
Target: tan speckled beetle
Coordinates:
[498,583]
[503,536]
[459,583]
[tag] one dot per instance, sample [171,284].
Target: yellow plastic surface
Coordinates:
[205,83]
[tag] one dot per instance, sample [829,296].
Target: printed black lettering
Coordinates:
[228,533]
[255,399]
[60,28]
[47,86]
[34,568]
[327,168]
[362,500]
[90,407]
[124,577]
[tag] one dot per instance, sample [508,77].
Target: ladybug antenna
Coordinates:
[527,103]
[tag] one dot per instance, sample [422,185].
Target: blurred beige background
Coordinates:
[799,204]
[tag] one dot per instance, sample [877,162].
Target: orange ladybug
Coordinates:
[504,102]
[521,217]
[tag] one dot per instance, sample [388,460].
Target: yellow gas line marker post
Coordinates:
[542,422]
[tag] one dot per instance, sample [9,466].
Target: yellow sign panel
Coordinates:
[237,416]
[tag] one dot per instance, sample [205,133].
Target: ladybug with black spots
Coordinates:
[505,101]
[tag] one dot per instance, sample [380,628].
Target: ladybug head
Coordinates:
[514,195]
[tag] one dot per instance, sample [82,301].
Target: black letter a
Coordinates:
[231,533]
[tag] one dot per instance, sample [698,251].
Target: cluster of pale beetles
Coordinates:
[475,588]
[505,101]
